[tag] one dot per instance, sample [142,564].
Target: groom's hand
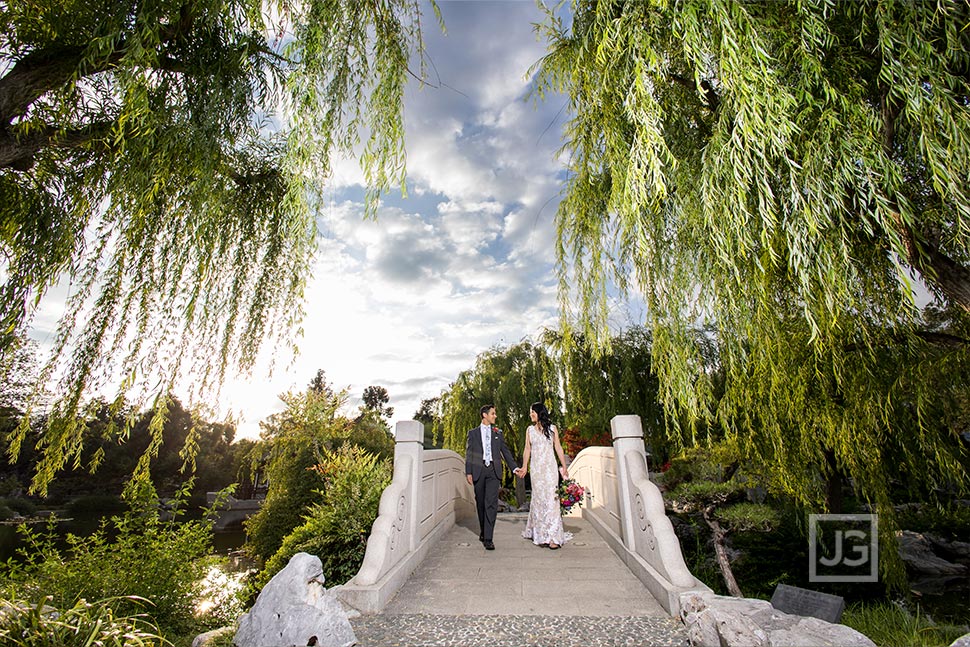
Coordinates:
[470,481]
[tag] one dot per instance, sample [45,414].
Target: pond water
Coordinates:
[11,540]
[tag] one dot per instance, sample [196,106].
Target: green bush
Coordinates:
[5,512]
[83,625]
[888,625]
[950,522]
[750,516]
[291,492]
[336,530]
[134,555]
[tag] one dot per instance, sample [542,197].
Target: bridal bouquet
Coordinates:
[570,494]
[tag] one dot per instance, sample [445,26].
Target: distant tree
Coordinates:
[320,385]
[18,376]
[167,156]
[510,378]
[619,381]
[376,399]
[191,447]
[429,415]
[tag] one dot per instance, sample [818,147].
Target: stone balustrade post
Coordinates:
[627,437]
[409,443]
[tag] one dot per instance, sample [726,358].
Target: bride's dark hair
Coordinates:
[544,421]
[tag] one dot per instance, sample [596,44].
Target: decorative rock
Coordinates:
[958,551]
[962,641]
[719,621]
[210,637]
[808,603]
[917,552]
[294,610]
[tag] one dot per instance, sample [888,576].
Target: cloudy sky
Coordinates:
[465,262]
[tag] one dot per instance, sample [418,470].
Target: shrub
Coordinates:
[336,530]
[750,516]
[130,556]
[950,522]
[84,624]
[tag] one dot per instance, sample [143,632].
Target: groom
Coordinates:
[483,468]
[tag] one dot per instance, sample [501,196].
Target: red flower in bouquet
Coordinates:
[570,494]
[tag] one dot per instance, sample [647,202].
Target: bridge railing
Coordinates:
[627,510]
[427,493]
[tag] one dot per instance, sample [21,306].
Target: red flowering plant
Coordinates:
[570,494]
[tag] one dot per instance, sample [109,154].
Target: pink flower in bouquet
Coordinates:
[570,494]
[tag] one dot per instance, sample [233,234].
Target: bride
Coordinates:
[542,446]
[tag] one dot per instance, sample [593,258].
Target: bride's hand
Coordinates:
[564,472]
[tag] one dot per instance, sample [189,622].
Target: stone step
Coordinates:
[427,630]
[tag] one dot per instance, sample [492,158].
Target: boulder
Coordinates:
[957,551]
[720,621]
[962,641]
[917,552]
[294,610]
[210,637]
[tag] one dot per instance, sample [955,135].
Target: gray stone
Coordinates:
[804,602]
[209,637]
[917,552]
[294,610]
[962,641]
[719,621]
[956,550]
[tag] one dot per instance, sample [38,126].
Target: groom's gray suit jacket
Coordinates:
[475,454]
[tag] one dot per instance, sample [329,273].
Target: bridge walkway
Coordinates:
[521,595]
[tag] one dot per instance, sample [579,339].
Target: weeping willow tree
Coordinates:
[600,385]
[782,172]
[511,379]
[165,158]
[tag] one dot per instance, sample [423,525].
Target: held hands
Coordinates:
[470,481]
[564,472]
[520,472]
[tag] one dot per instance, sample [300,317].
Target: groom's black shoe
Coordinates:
[481,538]
[489,545]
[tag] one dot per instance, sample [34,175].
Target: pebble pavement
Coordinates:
[426,630]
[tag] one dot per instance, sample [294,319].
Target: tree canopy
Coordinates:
[511,379]
[167,156]
[780,172]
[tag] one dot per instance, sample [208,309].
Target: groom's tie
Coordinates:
[487,445]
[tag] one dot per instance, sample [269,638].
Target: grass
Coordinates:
[889,625]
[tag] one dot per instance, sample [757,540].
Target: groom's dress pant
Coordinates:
[486,501]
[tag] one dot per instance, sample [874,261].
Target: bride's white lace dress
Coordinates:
[545,523]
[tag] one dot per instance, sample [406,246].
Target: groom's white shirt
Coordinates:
[487,443]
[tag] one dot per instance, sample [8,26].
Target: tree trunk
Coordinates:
[721,552]
[519,491]
[923,253]
[833,487]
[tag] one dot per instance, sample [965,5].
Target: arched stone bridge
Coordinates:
[426,580]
